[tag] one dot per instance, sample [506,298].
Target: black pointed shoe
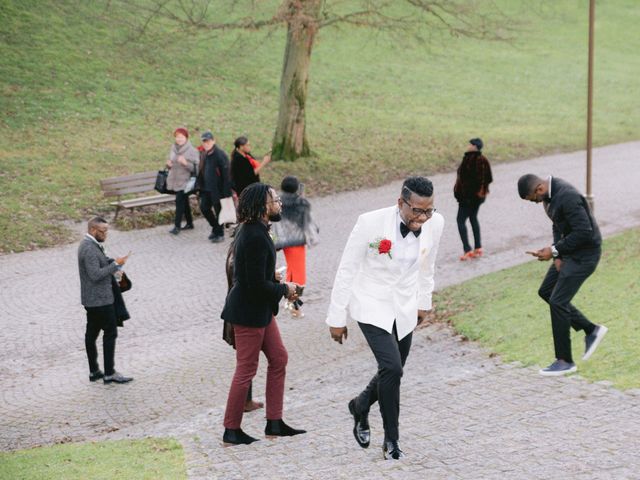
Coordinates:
[97,375]
[361,426]
[237,437]
[391,451]
[277,428]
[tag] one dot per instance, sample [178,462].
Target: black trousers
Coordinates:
[469,210]
[384,388]
[558,289]
[101,318]
[182,209]
[210,208]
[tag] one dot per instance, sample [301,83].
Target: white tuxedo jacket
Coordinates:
[372,288]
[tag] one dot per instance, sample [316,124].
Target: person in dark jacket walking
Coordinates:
[471,190]
[575,252]
[97,296]
[213,182]
[245,169]
[251,306]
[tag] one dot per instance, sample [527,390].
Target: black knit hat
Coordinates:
[290,184]
[477,142]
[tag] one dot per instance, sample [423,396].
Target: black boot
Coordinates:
[277,428]
[237,437]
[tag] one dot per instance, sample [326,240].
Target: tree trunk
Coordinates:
[290,140]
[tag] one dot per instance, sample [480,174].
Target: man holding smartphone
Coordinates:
[97,272]
[575,251]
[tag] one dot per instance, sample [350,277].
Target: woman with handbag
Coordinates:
[182,165]
[293,233]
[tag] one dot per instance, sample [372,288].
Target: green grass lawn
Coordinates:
[150,459]
[81,100]
[503,312]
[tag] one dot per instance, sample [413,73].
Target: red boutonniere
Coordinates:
[382,245]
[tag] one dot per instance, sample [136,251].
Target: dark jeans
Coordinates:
[182,208]
[391,355]
[210,208]
[101,318]
[558,289]
[469,210]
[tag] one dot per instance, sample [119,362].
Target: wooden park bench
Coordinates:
[131,184]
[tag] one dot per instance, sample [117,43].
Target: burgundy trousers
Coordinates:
[249,343]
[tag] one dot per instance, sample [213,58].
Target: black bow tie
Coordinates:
[404,230]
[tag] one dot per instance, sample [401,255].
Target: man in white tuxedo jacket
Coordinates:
[384,282]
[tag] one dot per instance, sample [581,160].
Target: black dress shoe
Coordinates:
[174,231]
[212,235]
[237,437]
[391,451]
[217,239]
[277,428]
[116,378]
[188,226]
[97,375]
[361,426]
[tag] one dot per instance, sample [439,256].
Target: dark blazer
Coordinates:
[242,174]
[575,231]
[255,294]
[213,173]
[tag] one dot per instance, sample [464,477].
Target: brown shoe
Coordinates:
[252,405]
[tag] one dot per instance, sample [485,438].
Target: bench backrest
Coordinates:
[136,183]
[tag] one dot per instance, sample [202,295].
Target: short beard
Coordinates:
[276,217]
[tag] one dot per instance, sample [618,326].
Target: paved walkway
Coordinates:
[464,414]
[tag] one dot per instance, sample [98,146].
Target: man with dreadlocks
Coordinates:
[251,307]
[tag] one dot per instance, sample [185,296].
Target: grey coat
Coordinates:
[96,271]
[178,174]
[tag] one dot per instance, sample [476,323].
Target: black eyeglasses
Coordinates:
[420,211]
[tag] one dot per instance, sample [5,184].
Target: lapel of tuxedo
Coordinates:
[423,250]
[390,233]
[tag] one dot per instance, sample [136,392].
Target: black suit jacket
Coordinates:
[213,173]
[255,294]
[575,231]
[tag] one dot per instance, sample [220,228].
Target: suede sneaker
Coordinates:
[592,341]
[558,368]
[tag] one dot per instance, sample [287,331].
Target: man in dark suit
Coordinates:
[97,296]
[251,306]
[575,252]
[214,183]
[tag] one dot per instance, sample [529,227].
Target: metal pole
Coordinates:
[592,13]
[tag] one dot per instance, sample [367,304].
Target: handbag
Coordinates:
[190,187]
[161,181]
[287,234]
[312,234]
[227,211]
[124,283]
